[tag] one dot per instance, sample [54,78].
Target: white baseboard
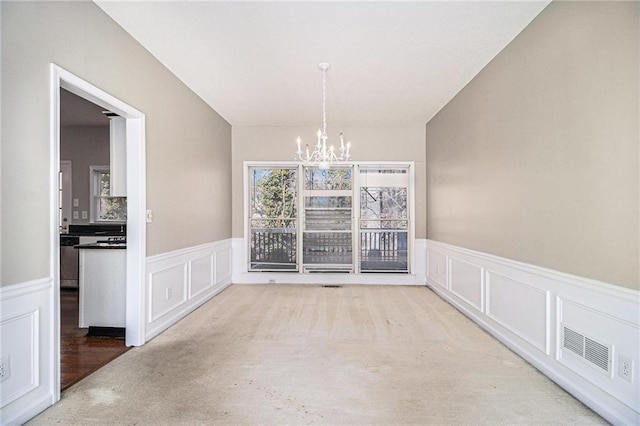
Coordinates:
[180,281]
[530,309]
[242,276]
[27,329]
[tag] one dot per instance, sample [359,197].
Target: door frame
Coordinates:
[136,206]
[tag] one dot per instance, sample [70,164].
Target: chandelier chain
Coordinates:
[324,102]
[323,156]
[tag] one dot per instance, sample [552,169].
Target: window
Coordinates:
[384,220]
[273,219]
[327,242]
[350,218]
[104,207]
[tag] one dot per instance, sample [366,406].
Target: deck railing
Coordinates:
[380,250]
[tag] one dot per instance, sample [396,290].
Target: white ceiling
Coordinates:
[392,63]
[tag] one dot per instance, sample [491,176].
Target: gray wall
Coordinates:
[537,158]
[278,143]
[188,145]
[84,146]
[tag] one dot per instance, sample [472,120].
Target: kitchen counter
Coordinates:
[93,246]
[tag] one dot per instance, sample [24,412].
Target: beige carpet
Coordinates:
[285,354]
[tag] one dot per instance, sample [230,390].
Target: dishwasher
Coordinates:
[68,261]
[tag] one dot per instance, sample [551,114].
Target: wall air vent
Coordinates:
[597,354]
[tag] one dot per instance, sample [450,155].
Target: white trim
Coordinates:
[610,313]
[25,288]
[136,207]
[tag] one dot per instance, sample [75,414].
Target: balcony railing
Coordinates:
[274,249]
[383,250]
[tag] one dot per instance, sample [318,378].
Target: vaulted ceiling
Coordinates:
[392,63]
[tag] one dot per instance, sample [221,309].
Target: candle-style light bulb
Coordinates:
[299,141]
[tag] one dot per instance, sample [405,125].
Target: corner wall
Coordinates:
[537,158]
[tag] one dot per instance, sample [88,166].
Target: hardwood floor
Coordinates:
[81,355]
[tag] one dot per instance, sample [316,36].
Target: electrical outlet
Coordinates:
[625,368]
[84,214]
[272,281]
[5,370]
[76,215]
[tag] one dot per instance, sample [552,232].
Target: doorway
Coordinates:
[85,142]
[135,186]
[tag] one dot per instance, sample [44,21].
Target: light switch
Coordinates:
[84,214]
[75,214]
[76,203]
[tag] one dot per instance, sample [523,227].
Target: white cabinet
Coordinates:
[118,157]
[102,281]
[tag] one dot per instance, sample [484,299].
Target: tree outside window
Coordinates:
[104,207]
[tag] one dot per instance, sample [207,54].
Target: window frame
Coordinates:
[356,166]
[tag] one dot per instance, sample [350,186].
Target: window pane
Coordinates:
[273,224]
[112,208]
[383,251]
[327,202]
[273,249]
[332,179]
[327,220]
[273,193]
[105,184]
[383,203]
[327,248]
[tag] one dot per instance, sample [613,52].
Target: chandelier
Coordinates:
[323,156]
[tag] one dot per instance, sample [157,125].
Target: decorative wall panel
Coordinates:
[466,282]
[508,300]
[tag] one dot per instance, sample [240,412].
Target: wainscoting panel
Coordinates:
[466,282]
[26,330]
[224,265]
[581,333]
[202,273]
[180,281]
[167,290]
[437,267]
[507,299]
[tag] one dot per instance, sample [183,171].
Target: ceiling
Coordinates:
[392,63]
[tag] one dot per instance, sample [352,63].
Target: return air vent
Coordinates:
[596,353]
